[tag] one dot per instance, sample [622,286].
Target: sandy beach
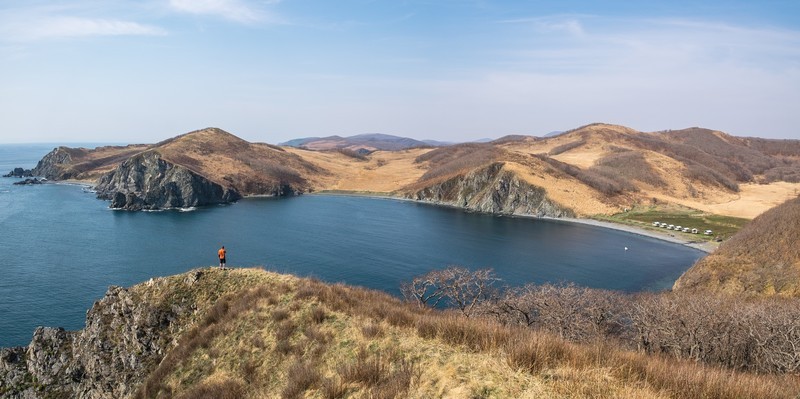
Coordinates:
[705,246]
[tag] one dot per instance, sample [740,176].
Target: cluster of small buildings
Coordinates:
[681,228]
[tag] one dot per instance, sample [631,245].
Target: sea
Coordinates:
[62,247]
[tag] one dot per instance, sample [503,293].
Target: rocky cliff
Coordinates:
[146,181]
[126,335]
[55,165]
[491,189]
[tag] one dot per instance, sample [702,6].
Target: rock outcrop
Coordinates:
[28,181]
[55,165]
[492,189]
[127,334]
[146,181]
[19,172]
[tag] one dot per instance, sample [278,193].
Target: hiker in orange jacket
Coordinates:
[222,252]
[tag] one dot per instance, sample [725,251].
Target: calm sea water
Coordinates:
[63,248]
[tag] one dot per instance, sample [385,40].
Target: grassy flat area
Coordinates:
[722,226]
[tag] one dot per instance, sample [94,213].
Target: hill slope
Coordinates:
[247,333]
[597,169]
[760,260]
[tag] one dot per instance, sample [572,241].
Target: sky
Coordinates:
[455,70]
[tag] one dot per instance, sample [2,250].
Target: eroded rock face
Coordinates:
[54,165]
[124,339]
[146,182]
[492,189]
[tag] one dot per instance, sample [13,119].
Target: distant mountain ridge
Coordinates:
[368,141]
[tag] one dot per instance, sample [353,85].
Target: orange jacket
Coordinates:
[221,253]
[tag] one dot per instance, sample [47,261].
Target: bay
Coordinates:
[63,248]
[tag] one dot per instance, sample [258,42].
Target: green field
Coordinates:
[722,226]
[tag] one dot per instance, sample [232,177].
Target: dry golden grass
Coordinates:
[278,336]
[254,168]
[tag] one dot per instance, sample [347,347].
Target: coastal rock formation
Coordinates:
[19,172]
[492,189]
[146,181]
[124,339]
[55,165]
[28,182]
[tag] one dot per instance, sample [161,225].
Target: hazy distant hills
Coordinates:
[370,141]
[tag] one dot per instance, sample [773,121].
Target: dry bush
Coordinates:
[300,377]
[607,183]
[576,313]
[279,314]
[365,369]
[566,147]
[352,154]
[318,315]
[456,286]
[333,388]
[228,389]
[372,330]
[456,159]
[630,165]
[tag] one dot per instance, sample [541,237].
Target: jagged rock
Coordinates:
[148,182]
[27,182]
[19,172]
[124,340]
[492,189]
[55,165]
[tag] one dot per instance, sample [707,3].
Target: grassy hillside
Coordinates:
[271,335]
[597,169]
[761,259]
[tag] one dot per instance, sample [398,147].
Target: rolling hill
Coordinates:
[763,259]
[597,169]
[366,142]
[247,333]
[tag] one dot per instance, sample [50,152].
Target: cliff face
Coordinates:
[492,189]
[54,165]
[146,181]
[126,335]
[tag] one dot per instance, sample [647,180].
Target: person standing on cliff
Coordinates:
[222,252]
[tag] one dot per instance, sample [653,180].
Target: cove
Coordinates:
[63,248]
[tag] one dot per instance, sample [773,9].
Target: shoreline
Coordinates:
[704,246]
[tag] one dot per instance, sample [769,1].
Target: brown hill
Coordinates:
[762,259]
[597,169]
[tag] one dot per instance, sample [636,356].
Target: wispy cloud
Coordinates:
[233,10]
[35,24]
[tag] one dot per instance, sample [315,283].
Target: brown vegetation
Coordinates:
[761,259]
[369,344]
[755,336]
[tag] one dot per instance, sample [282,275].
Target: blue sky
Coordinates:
[143,71]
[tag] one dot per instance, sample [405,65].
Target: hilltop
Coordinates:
[763,259]
[247,333]
[597,169]
[361,142]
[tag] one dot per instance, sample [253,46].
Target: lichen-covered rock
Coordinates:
[148,182]
[492,189]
